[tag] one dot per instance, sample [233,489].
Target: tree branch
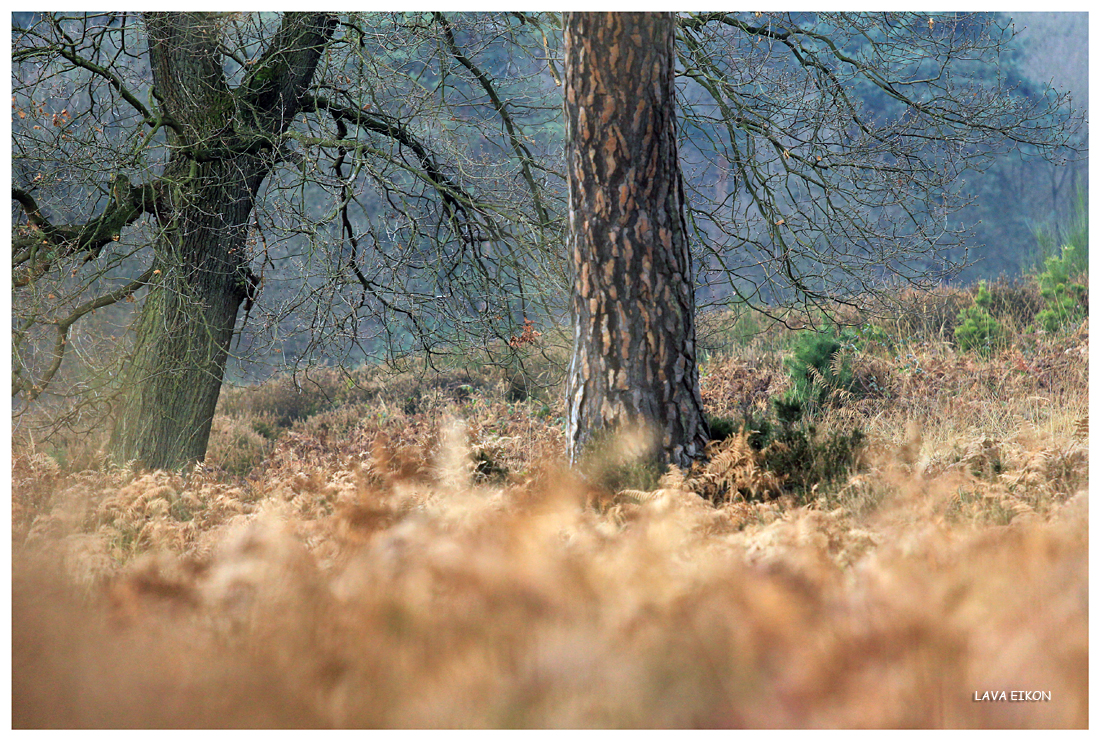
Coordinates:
[68,52]
[524,155]
[275,86]
[62,327]
[455,199]
[128,204]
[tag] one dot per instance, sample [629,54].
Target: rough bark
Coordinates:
[633,298]
[207,193]
[174,376]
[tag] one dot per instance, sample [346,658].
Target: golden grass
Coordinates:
[370,572]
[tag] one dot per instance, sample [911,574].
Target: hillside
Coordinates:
[400,549]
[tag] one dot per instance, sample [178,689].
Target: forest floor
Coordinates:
[364,550]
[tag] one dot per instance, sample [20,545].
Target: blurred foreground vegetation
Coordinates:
[885,523]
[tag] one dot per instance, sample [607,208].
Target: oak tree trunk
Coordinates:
[221,141]
[633,298]
[174,376]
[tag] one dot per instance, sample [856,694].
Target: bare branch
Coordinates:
[43,244]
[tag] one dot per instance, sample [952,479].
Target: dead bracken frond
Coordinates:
[733,470]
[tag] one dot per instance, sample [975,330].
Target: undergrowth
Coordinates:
[406,551]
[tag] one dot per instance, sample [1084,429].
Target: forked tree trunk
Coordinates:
[633,299]
[206,194]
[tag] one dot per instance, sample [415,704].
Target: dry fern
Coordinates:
[733,470]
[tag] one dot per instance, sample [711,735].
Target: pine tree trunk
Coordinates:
[633,300]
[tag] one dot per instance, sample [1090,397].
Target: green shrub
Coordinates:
[721,427]
[872,334]
[1051,240]
[1015,302]
[805,460]
[820,371]
[808,459]
[977,329]
[1065,300]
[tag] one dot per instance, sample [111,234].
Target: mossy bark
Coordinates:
[205,197]
[182,336]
